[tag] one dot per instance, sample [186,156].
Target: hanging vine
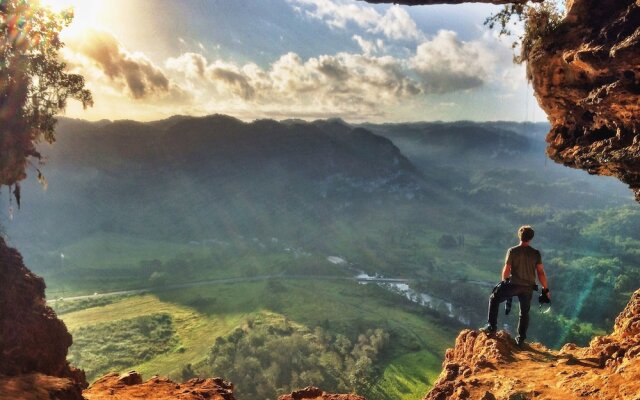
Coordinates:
[539,20]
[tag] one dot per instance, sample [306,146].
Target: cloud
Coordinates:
[236,82]
[369,47]
[191,64]
[358,86]
[132,71]
[351,84]
[447,64]
[338,15]
[395,23]
[328,84]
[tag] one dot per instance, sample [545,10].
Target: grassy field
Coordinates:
[194,330]
[407,376]
[200,315]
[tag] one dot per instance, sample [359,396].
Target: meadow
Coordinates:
[201,316]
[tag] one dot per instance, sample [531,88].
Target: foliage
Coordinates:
[540,20]
[120,344]
[34,84]
[266,360]
[202,314]
[62,306]
[447,241]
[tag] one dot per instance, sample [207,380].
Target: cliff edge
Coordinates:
[34,345]
[493,368]
[33,341]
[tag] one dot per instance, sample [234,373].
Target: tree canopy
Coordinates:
[34,84]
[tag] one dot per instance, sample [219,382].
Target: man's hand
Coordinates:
[548,293]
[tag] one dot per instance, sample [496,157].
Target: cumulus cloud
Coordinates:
[447,64]
[133,72]
[191,64]
[338,15]
[343,83]
[369,47]
[358,86]
[237,83]
[340,83]
[395,23]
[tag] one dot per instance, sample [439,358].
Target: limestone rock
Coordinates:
[33,340]
[36,386]
[130,387]
[313,393]
[587,79]
[492,367]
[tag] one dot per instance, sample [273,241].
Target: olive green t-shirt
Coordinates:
[523,261]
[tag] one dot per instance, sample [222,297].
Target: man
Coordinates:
[521,266]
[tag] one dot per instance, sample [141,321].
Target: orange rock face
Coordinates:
[587,79]
[130,386]
[313,393]
[484,367]
[33,341]
[36,386]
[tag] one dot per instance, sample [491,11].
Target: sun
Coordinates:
[86,13]
[59,5]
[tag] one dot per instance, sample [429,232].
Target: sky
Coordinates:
[280,59]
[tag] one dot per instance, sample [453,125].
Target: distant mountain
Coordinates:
[187,176]
[469,139]
[224,145]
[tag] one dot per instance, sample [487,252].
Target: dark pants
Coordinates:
[505,292]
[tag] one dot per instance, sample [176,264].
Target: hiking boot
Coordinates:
[520,342]
[488,329]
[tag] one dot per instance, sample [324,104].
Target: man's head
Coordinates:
[525,233]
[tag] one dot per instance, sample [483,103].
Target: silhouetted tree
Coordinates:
[34,84]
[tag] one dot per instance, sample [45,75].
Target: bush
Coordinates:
[120,345]
[268,359]
[447,242]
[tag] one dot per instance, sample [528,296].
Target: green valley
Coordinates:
[222,239]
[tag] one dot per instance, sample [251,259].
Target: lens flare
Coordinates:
[86,13]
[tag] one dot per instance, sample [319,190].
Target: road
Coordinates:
[232,280]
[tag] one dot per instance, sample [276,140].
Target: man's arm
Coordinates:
[506,272]
[542,277]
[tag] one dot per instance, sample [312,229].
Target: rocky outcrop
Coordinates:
[492,367]
[313,393]
[130,386]
[33,341]
[622,347]
[586,77]
[36,386]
